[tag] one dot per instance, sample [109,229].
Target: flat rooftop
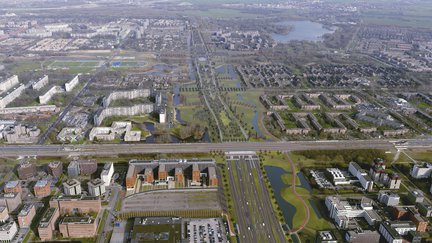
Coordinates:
[74,197]
[8,195]
[77,220]
[41,183]
[96,182]
[25,210]
[11,184]
[72,182]
[7,226]
[46,218]
[170,161]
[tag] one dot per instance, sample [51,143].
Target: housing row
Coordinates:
[368,122]
[107,111]
[11,89]
[14,132]
[309,101]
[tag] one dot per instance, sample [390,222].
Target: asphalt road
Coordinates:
[110,207]
[114,149]
[256,219]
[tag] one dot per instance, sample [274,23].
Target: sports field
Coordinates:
[127,64]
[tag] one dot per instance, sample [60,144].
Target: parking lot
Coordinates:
[206,230]
[172,200]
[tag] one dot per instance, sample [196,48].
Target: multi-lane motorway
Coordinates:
[256,219]
[114,149]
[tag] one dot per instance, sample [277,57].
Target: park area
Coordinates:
[295,198]
[73,66]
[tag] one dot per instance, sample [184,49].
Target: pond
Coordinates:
[176,95]
[304,182]
[173,139]
[275,177]
[230,71]
[302,31]
[254,118]
[151,138]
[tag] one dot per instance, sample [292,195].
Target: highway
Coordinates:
[256,219]
[116,149]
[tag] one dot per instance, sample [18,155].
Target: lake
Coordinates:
[302,31]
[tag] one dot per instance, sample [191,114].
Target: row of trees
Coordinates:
[203,213]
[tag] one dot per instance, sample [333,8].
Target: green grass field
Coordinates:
[221,13]
[316,222]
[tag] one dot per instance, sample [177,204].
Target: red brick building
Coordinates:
[26,215]
[162,173]
[42,188]
[55,168]
[77,203]
[47,224]
[26,170]
[179,176]
[78,227]
[87,166]
[196,173]
[213,180]
[13,187]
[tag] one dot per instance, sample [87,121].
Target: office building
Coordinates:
[341,211]
[179,176]
[47,224]
[82,167]
[196,173]
[72,187]
[162,173]
[107,173]
[73,169]
[365,180]
[26,215]
[425,208]
[377,171]
[42,188]
[26,170]
[394,181]
[388,198]
[8,231]
[87,166]
[55,168]
[421,170]
[144,172]
[13,187]
[76,204]
[10,200]
[361,236]
[393,231]
[148,175]
[326,237]
[78,227]
[419,221]
[96,187]
[213,180]
[4,214]
[415,196]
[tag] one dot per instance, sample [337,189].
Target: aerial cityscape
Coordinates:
[241,121]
